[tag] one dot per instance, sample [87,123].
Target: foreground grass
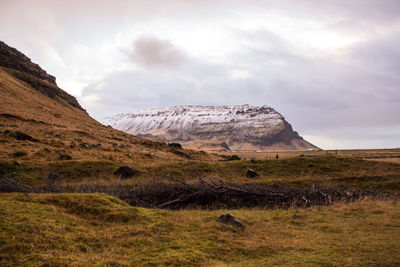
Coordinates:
[89,229]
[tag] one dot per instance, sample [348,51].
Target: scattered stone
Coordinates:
[79,140]
[65,157]
[122,146]
[228,218]
[252,173]
[125,172]
[53,176]
[175,145]
[23,136]
[97,145]
[57,115]
[85,145]
[19,154]
[234,157]
[47,150]
[17,163]
[114,145]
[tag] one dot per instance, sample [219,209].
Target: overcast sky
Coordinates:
[331,68]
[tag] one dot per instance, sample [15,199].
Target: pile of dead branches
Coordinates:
[219,195]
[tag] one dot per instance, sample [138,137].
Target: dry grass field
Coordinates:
[389,155]
[96,229]
[76,229]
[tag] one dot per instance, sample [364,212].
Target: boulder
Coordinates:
[17,163]
[23,136]
[234,157]
[125,172]
[230,219]
[175,145]
[65,157]
[85,145]
[252,173]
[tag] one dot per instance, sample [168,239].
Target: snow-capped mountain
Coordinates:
[241,127]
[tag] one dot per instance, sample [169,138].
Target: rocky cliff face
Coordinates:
[21,67]
[214,128]
[13,59]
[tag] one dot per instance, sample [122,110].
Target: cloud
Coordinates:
[151,52]
[331,67]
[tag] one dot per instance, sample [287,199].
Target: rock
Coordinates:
[85,145]
[47,150]
[53,176]
[175,145]
[114,145]
[252,173]
[125,172]
[24,69]
[233,157]
[17,163]
[23,136]
[230,219]
[65,157]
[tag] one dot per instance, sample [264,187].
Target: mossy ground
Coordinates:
[97,229]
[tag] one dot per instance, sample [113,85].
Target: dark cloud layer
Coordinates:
[152,52]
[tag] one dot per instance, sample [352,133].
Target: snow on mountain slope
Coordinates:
[239,127]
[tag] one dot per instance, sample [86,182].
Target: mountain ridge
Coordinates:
[239,127]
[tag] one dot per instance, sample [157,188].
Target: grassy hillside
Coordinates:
[96,229]
[35,127]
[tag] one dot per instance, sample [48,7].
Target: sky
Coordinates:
[331,68]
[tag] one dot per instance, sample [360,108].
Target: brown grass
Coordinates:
[95,229]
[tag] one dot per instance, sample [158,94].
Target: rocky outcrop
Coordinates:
[224,128]
[21,67]
[13,59]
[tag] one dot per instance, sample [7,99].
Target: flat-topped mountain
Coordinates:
[241,127]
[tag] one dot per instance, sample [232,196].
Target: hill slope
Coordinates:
[41,122]
[240,127]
